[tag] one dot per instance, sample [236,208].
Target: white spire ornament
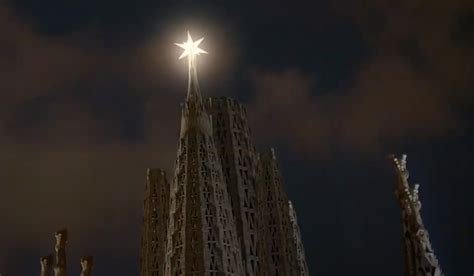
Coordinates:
[191,49]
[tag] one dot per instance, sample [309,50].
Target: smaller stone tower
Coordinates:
[86,264]
[60,250]
[420,259]
[300,254]
[59,264]
[277,246]
[46,265]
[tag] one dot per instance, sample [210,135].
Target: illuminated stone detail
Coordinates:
[300,255]
[233,142]
[202,238]
[420,259]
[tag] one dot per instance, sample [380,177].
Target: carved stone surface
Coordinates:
[202,237]
[237,154]
[86,264]
[301,257]
[60,250]
[155,223]
[60,264]
[420,259]
[216,201]
[46,265]
[278,252]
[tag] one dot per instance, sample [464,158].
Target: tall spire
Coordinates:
[277,246]
[420,259]
[60,249]
[202,237]
[46,264]
[194,115]
[87,263]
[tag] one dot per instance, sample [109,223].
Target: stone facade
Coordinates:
[202,237]
[301,257]
[155,223]
[237,154]
[420,259]
[277,248]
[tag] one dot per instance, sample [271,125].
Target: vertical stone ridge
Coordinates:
[300,254]
[60,250]
[87,262]
[277,244]
[155,223]
[46,265]
[237,153]
[420,259]
[202,237]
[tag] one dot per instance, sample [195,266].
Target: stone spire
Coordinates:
[277,246]
[202,236]
[87,263]
[59,265]
[420,259]
[60,250]
[301,256]
[46,265]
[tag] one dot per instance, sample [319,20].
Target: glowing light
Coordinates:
[191,48]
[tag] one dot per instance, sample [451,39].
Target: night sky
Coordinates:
[90,96]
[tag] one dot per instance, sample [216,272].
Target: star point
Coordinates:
[191,48]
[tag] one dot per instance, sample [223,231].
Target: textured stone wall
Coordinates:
[277,244]
[155,223]
[237,153]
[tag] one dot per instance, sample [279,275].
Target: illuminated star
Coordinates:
[191,48]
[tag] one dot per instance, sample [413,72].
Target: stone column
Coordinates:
[87,263]
[60,249]
[46,264]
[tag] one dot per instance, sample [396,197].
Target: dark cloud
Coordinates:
[388,103]
[415,84]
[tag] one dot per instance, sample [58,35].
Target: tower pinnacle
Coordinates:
[420,259]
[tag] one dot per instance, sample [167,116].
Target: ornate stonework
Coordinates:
[237,153]
[301,257]
[86,265]
[212,227]
[59,264]
[202,237]
[46,265]
[60,250]
[420,259]
[278,251]
[155,223]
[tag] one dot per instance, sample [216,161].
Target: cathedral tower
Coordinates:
[202,237]
[420,259]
